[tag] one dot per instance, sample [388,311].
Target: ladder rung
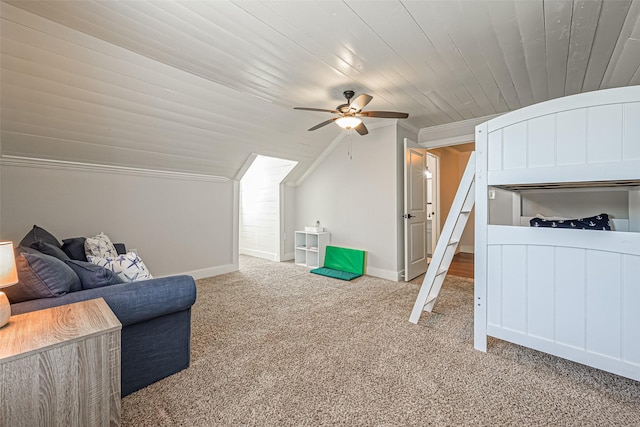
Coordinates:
[453,242]
[441,271]
[430,300]
[465,211]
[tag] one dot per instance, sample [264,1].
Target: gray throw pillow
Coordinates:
[39,233]
[92,275]
[49,249]
[24,250]
[41,276]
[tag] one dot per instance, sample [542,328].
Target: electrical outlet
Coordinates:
[492,194]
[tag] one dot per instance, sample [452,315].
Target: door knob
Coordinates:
[408,216]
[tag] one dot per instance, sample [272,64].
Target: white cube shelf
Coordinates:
[310,248]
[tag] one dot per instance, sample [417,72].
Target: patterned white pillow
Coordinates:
[100,246]
[129,267]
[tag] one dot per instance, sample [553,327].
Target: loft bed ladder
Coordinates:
[448,242]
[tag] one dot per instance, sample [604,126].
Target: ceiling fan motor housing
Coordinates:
[345,108]
[348,94]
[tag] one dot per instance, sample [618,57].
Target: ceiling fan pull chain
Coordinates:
[350,147]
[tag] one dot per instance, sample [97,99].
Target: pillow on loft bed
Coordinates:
[597,222]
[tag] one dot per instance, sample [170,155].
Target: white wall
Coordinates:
[568,203]
[178,225]
[576,204]
[501,207]
[288,225]
[359,200]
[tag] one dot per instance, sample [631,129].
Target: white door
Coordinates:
[415,210]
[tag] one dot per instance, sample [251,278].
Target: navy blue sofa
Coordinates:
[156,325]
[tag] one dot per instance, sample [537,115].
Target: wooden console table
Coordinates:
[61,366]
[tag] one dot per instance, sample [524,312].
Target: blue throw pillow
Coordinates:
[41,276]
[92,275]
[597,222]
[74,248]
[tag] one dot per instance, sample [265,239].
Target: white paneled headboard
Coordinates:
[577,138]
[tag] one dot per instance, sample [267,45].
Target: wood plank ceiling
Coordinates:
[197,86]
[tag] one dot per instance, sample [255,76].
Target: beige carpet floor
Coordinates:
[274,345]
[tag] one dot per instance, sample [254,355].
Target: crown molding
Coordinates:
[408,126]
[451,133]
[32,162]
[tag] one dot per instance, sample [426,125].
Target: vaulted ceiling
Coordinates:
[197,86]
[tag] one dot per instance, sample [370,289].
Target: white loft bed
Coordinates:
[571,293]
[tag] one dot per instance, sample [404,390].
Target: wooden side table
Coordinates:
[61,366]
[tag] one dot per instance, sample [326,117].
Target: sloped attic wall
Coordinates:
[178,225]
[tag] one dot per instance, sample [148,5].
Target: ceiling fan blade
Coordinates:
[383,114]
[360,102]
[316,109]
[361,129]
[326,122]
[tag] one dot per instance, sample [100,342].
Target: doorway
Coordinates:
[263,206]
[452,163]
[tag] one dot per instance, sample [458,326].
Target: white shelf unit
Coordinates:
[310,248]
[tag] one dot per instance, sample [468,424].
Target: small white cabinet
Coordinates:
[310,248]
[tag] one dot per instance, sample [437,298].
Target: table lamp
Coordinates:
[8,277]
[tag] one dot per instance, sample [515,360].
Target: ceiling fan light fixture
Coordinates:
[348,122]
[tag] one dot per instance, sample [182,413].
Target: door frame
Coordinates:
[435,183]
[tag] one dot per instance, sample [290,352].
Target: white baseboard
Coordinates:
[383,274]
[258,254]
[467,249]
[288,256]
[212,271]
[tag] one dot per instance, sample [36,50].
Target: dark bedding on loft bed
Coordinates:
[598,222]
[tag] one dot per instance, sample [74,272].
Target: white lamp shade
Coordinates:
[348,122]
[8,272]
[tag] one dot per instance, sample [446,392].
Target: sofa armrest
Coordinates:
[130,302]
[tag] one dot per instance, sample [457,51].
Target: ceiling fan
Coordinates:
[349,114]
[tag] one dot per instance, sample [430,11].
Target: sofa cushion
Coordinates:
[92,275]
[74,248]
[41,276]
[49,249]
[129,266]
[39,233]
[100,246]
